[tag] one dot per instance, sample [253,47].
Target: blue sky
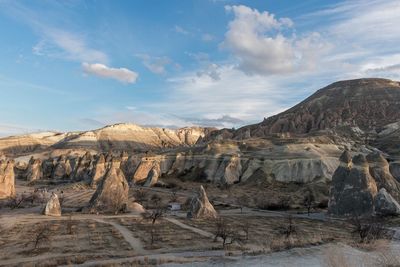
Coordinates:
[78,65]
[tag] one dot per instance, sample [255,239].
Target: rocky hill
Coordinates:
[368,104]
[124,136]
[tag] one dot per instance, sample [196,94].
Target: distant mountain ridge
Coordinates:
[122,136]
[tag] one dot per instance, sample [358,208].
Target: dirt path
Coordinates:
[134,242]
[193,229]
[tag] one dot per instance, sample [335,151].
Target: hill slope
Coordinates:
[368,104]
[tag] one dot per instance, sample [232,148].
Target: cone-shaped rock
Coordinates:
[111,195]
[200,207]
[53,207]
[83,168]
[385,204]
[353,188]
[62,169]
[7,179]
[34,171]
[99,170]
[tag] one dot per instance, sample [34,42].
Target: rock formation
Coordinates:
[353,188]
[111,195]
[379,169]
[99,170]
[83,169]
[34,170]
[200,207]
[232,170]
[144,168]
[355,184]
[53,207]
[62,169]
[7,179]
[47,168]
[152,177]
[385,204]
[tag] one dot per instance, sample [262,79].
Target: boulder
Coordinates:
[7,179]
[53,207]
[385,204]
[200,207]
[353,188]
[111,195]
[34,170]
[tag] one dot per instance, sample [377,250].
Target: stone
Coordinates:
[7,179]
[200,206]
[111,195]
[53,207]
[385,204]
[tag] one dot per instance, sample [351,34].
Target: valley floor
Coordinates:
[256,237]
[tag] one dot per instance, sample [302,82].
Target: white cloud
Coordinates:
[258,41]
[155,64]
[211,71]
[121,74]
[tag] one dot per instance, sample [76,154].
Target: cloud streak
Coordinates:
[120,74]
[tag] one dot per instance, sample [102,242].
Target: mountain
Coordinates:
[123,136]
[368,104]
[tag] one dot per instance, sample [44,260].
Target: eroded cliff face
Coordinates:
[227,164]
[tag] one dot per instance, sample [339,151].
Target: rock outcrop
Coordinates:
[144,168]
[355,184]
[34,170]
[53,207]
[111,195]
[99,170]
[353,188]
[84,167]
[62,169]
[200,206]
[7,179]
[152,177]
[385,204]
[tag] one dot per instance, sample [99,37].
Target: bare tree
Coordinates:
[174,196]
[153,216]
[242,201]
[289,228]
[141,195]
[309,200]
[41,235]
[156,200]
[225,232]
[367,230]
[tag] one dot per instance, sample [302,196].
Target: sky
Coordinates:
[79,65]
